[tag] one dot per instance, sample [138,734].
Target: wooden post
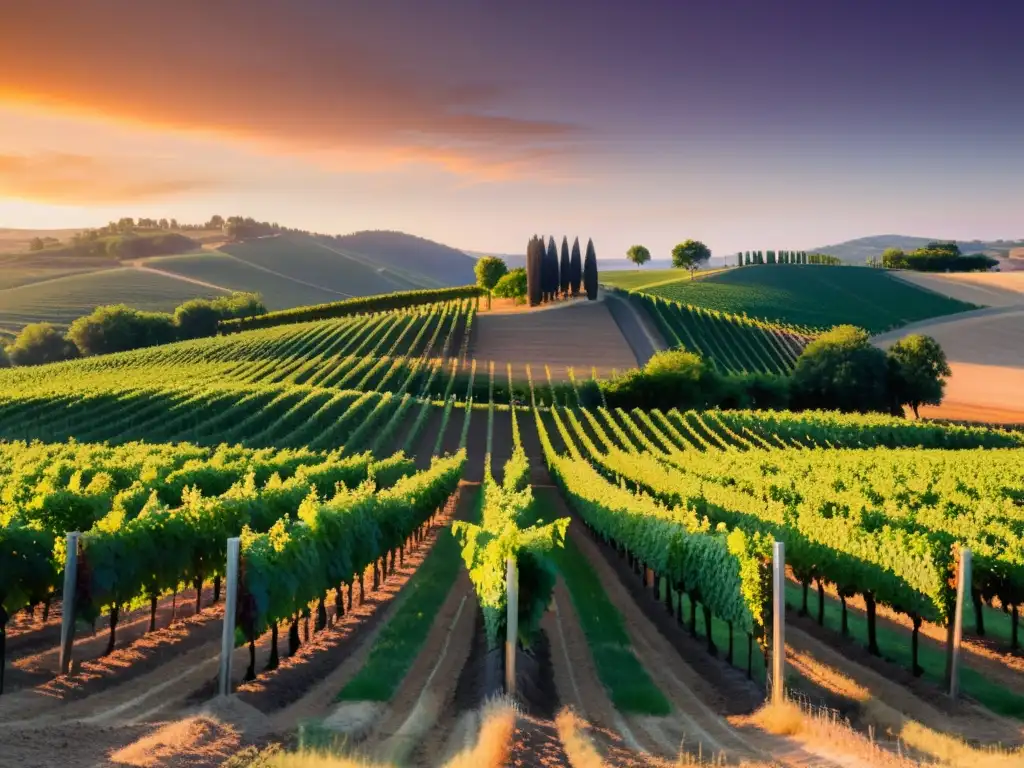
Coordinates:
[779,622]
[67,621]
[227,642]
[963,589]
[512,626]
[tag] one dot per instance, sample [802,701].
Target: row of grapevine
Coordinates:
[735,344]
[331,543]
[726,570]
[896,546]
[509,529]
[378,303]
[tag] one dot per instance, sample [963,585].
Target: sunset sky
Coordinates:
[744,123]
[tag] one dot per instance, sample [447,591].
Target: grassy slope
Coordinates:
[229,272]
[813,296]
[301,258]
[640,279]
[66,298]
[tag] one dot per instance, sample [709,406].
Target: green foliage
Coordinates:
[842,370]
[918,371]
[690,255]
[380,303]
[728,569]
[812,299]
[331,541]
[937,257]
[489,270]
[508,529]
[118,328]
[200,317]
[40,343]
[512,285]
[5,360]
[638,254]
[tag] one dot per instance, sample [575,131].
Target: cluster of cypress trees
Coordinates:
[784,257]
[550,275]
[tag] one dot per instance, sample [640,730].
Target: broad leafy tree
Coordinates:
[639,255]
[512,286]
[841,370]
[918,371]
[894,258]
[590,272]
[489,270]
[690,255]
[40,343]
[575,268]
[117,328]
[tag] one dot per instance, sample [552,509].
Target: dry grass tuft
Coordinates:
[494,744]
[579,749]
[198,737]
[785,719]
[949,750]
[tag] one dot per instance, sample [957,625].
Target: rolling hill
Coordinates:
[288,269]
[859,250]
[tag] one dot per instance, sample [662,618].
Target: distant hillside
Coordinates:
[858,251]
[410,255]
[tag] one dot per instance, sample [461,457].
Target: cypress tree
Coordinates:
[550,270]
[564,270]
[590,272]
[534,270]
[575,268]
[771,257]
[739,259]
[748,258]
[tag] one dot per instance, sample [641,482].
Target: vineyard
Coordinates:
[735,344]
[811,297]
[382,488]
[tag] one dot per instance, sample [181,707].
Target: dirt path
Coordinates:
[994,289]
[587,337]
[642,337]
[137,265]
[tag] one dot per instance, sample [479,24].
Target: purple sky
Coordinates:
[748,124]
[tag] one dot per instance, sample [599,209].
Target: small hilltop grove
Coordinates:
[549,274]
[379,483]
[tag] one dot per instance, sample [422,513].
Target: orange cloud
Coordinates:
[72,179]
[298,78]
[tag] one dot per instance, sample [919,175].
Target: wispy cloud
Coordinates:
[61,178]
[299,81]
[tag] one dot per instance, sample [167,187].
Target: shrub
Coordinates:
[840,370]
[512,285]
[117,328]
[40,343]
[200,317]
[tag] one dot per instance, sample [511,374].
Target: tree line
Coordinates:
[934,257]
[549,274]
[135,238]
[119,328]
[746,258]
[840,370]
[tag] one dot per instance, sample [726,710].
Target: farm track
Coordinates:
[588,338]
[644,339]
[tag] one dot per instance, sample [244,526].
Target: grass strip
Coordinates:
[895,647]
[631,689]
[400,641]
